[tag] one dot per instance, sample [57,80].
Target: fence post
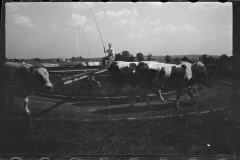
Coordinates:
[234,103]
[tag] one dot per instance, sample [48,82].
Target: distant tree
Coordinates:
[210,60]
[149,57]
[177,60]
[185,59]
[126,56]
[81,58]
[200,58]
[73,59]
[204,58]
[224,58]
[139,57]
[37,59]
[130,58]
[168,59]
[118,57]
[58,60]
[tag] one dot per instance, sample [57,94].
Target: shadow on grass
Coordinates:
[136,109]
[50,108]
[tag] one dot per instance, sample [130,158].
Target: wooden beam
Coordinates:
[75,79]
[83,74]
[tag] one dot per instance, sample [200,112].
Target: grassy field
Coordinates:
[210,134]
[67,130]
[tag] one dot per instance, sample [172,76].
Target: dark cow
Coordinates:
[197,79]
[23,79]
[164,74]
[123,72]
[200,76]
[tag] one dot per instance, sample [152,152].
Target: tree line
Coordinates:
[128,57]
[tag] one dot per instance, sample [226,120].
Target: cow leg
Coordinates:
[133,99]
[25,104]
[199,87]
[193,88]
[9,104]
[180,91]
[146,98]
[134,96]
[160,95]
[191,95]
[177,100]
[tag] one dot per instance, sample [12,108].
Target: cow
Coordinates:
[93,63]
[181,75]
[196,80]
[123,73]
[23,79]
[48,65]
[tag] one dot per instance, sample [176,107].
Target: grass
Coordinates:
[213,133]
[209,134]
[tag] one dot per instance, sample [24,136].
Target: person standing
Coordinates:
[110,55]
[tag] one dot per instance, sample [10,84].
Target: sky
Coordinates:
[68,29]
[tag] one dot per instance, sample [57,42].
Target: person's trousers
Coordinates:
[104,59]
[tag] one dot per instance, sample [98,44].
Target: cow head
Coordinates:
[140,72]
[40,77]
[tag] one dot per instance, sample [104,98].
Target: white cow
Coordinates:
[160,75]
[23,79]
[48,65]
[93,63]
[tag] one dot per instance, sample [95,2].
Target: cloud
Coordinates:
[135,35]
[123,17]
[186,27]
[145,21]
[14,7]
[155,22]
[121,14]
[77,19]
[140,34]
[82,5]
[170,28]
[120,23]
[156,30]
[156,4]
[99,14]
[23,21]
[148,21]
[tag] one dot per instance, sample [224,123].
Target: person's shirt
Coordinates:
[110,52]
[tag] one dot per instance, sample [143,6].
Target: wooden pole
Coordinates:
[2,64]
[234,103]
[78,77]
